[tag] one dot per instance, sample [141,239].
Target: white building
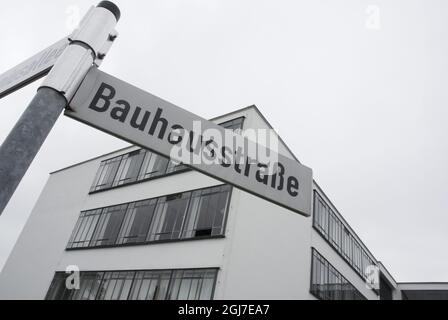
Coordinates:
[140,227]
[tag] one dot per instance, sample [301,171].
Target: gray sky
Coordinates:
[360,100]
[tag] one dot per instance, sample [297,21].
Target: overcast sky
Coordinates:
[357,89]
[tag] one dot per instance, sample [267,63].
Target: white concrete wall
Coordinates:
[30,268]
[269,253]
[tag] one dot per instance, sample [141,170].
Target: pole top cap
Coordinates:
[112,7]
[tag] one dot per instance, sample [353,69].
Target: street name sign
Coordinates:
[31,69]
[127,112]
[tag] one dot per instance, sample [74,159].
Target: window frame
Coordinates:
[62,276]
[170,169]
[347,238]
[126,163]
[325,273]
[69,246]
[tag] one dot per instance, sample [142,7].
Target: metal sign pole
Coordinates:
[87,45]
[22,144]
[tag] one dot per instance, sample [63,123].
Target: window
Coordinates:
[136,223]
[335,230]
[321,215]
[108,226]
[357,257]
[366,261]
[186,215]
[175,167]
[58,290]
[170,215]
[206,212]
[141,165]
[84,228]
[115,286]
[129,168]
[192,284]
[90,283]
[233,124]
[328,284]
[106,174]
[153,166]
[386,291]
[346,244]
[332,229]
[150,285]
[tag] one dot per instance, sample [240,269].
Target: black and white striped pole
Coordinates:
[88,46]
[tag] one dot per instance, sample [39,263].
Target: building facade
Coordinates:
[138,226]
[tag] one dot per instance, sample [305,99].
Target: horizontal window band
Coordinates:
[146,243]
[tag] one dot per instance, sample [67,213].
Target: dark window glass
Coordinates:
[169,217]
[194,284]
[191,214]
[206,212]
[90,283]
[136,222]
[150,285]
[129,168]
[386,291]
[108,226]
[58,289]
[335,230]
[176,167]
[357,256]
[233,124]
[153,166]
[347,244]
[115,286]
[328,284]
[83,232]
[106,174]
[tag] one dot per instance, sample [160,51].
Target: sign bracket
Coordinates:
[24,141]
